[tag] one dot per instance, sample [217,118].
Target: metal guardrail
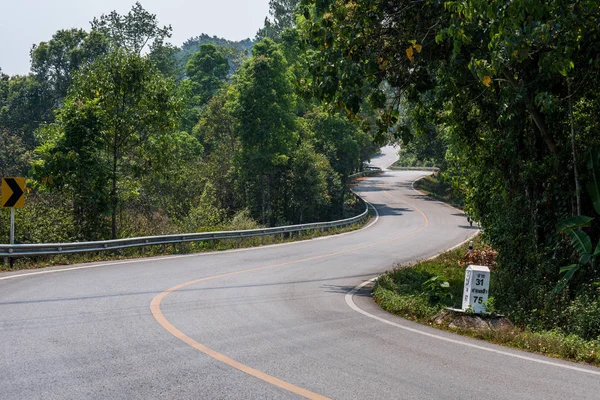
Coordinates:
[396,168]
[27,250]
[368,171]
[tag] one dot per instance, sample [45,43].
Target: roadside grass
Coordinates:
[404,291]
[174,249]
[434,187]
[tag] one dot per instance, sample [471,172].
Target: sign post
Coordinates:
[12,226]
[477,288]
[13,190]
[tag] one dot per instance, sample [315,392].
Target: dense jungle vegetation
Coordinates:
[502,96]
[121,133]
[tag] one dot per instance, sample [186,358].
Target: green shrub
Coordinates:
[46,218]
[242,221]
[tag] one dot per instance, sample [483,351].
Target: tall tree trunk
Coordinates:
[538,118]
[269,208]
[263,202]
[575,172]
[114,190]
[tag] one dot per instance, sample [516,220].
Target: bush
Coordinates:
[242,221]
[583,315]
[46,218]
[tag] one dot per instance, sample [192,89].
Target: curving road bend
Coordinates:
[267,323]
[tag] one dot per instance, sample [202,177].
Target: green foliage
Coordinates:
[423,290]
[437,289]
[309,195]
[217,132]
[137,137]
[115,106]
[70,161]
[207,69]
[172,173]
[236,52]
[206,214]
[266,129]
[356,53]
[242,221]
[340,140]
[24,104]
[571,227]
[14,157]
[132,32]
[282,17]
[55,62]
[491,82]
[408,305]
[578,221]
[47,218]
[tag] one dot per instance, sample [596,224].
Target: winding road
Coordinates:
[282,321]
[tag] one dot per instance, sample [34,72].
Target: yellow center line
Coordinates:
[169,327]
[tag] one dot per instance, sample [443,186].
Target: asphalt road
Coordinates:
[275,322]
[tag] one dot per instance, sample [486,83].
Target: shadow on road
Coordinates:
[202,289]
[344,289]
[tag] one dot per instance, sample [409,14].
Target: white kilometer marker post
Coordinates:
[477,285]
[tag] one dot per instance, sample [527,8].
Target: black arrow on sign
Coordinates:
[17,192]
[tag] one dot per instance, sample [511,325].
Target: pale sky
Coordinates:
[25,22]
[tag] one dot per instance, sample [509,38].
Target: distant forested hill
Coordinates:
[237,51]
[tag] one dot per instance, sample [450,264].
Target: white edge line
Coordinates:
[161,258]
[352,305]
[350,302]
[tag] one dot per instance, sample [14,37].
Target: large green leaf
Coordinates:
[578,221]
[594,186]
[585,258]
[580,241]
[594,191]
[570,271]
[597,251]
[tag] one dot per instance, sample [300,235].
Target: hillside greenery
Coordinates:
[501,96]
[121,133]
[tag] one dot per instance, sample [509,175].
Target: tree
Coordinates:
[508,86]
[266,128]
[206,71]
[164,59]
[70,160]
[133,32]
[217,132]
[14,157]
[24,104]
[312,182]
[129,103]
[340,140]
[55,62]
[360,46]
[282,14]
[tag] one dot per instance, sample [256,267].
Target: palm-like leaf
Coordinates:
[579,221]
[594,186]
[570,271]
[580,241]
